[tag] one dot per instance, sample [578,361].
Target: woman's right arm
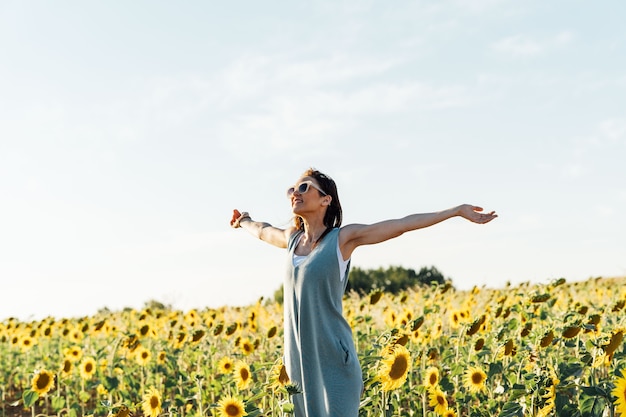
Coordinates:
[264,231]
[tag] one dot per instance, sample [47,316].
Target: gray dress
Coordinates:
[319,350]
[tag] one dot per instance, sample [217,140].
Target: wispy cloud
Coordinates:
[522,45]
[311,99]
[613,129]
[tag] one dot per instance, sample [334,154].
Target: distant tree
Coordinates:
[155,305]
[393,279]
[279,295]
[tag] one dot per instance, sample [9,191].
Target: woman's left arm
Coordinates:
[355,235]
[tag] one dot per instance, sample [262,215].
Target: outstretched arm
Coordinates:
[355,235]
[264,231]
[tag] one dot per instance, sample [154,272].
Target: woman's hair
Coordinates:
[333,216]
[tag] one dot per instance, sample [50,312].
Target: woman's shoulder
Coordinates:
[292,233]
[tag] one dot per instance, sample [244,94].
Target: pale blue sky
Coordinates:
[130,130]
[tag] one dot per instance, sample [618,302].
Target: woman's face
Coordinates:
[306,195]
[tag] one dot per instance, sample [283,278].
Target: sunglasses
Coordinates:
[303,187]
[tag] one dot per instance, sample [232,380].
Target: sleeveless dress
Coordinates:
[320,355]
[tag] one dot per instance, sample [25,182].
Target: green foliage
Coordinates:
[393,279]
[29,396]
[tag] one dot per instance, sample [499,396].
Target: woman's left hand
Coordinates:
[473,214]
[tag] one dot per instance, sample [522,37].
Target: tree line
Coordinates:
[392,279]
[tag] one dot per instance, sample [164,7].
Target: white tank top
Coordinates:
[298,259]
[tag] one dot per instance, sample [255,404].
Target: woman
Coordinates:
[320,355]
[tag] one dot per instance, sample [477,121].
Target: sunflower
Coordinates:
[436,329]
[226,365]
[145,330]
[192,317]
[437,400]
[278,376]
[509,348]
[46,331]
[547,339]
[614,343]
[246,346]
[76,335]
[475,379]
[431,377]
[123,411]
[480,343]
[151,404]
[142,356]
[620,393]
[449,413]
[26,343]
[102,390]
[42,382]
[15,341]
[391,317]
[243,377]
[272,332]
[548,406]
[87,368]
[231,407]
[375,296]
[571,332]
[179,339]
[395,368]
[197,336]
[66,368]
[74,353]
[231,329]
[455,319]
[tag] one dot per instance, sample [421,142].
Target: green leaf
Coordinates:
[570,369]
[512,409]
[592,402]
[84,396]
[254,413]
[594,390]
[58,403]
[111,382]
[29,396]
[568,411]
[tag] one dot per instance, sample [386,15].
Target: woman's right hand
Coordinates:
[235,221]
[236,216]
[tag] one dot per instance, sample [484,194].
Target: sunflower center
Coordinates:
[244,374]
[283,378]
[232,410]
[477,378]
[441,400]
[154,402]
[399,367]
[43,381]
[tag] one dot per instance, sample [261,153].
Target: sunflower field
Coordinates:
[530,350]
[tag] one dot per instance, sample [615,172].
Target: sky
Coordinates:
[129,131]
